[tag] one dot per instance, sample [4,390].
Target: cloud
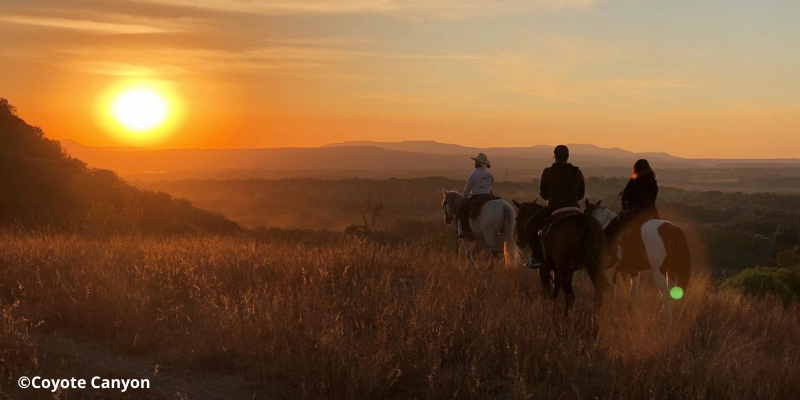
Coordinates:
[438,8]
[82,25]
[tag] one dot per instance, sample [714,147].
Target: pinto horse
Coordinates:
[668,257]
[494,228]
[573,242]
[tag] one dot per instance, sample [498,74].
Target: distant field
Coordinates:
[736,230]
[767,178]
[208,317]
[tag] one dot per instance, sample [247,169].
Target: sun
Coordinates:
[140,110]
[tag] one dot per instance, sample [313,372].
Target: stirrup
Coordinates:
[534,263]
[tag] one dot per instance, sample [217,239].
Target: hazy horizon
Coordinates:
[367,143]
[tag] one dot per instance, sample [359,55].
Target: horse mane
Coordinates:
[448,194]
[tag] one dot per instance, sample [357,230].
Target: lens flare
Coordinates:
[676,293]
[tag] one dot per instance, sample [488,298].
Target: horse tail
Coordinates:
[509,232]
[678,262]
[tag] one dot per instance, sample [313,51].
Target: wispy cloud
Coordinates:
[81,25]
[439,8]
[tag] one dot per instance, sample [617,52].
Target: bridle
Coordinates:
[521,233]
[447,206]
[607,216]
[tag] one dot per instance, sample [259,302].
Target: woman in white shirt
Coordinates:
[477,190]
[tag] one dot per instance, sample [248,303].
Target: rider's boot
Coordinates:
[464,231]
[537,258]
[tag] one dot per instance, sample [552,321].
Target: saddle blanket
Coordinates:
[557,215]
[477,204]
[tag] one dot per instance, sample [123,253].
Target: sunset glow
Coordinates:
[140,110]
[694,79]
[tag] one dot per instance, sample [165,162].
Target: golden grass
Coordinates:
[357,320]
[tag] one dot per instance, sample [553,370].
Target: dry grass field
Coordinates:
[359,320]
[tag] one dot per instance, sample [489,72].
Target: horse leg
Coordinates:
[470,251]
[569,295]
[556,286]
[611,276]
[490,238]
[662,285]
[546,278]
[635,286]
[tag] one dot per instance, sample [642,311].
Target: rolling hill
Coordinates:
[44,187]
[407,159]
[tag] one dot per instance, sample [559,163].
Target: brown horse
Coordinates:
[571,244]
[667,256]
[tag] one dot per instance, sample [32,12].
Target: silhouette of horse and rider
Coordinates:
[563,239]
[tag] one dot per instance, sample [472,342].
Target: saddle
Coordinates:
[556,216]
[477,205]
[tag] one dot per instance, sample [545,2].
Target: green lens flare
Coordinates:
[676,293]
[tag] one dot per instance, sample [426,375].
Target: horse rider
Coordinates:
[562,185]
[478,188]
[638,201]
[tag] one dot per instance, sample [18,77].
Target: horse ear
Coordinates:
[516,204]
[599,201]
[587,202]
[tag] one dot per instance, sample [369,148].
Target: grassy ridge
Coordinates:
[354,319]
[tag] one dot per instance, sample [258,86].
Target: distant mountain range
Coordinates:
[408,158]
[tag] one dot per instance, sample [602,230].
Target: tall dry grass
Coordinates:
[356,320]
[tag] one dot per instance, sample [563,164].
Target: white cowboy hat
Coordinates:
[482,159]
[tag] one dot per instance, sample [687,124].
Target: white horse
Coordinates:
[667,255]
[493,228]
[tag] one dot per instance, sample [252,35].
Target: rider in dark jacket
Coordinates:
[640,195]
[638,199]
[562,185]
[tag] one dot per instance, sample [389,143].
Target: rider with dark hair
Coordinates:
[562,186]
[638,198]
[478,188]
[638,207]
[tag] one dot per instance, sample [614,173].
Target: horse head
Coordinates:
[598,212]
[450,203]
[525,212]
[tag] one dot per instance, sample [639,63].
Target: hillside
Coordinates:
[44,187]
[382,160]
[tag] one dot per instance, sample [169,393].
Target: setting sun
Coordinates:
[140,110]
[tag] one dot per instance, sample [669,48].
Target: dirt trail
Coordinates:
[67,355]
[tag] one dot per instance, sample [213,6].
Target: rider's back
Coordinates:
[640,193]
[479,182]
[562,185]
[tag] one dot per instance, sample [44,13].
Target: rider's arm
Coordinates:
[581,186]
[628,194]
[468,188]
[543,185]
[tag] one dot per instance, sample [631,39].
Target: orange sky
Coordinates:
[717,79]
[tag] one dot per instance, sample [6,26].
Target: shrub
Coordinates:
[779,282]
[18,355]
[790,258]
